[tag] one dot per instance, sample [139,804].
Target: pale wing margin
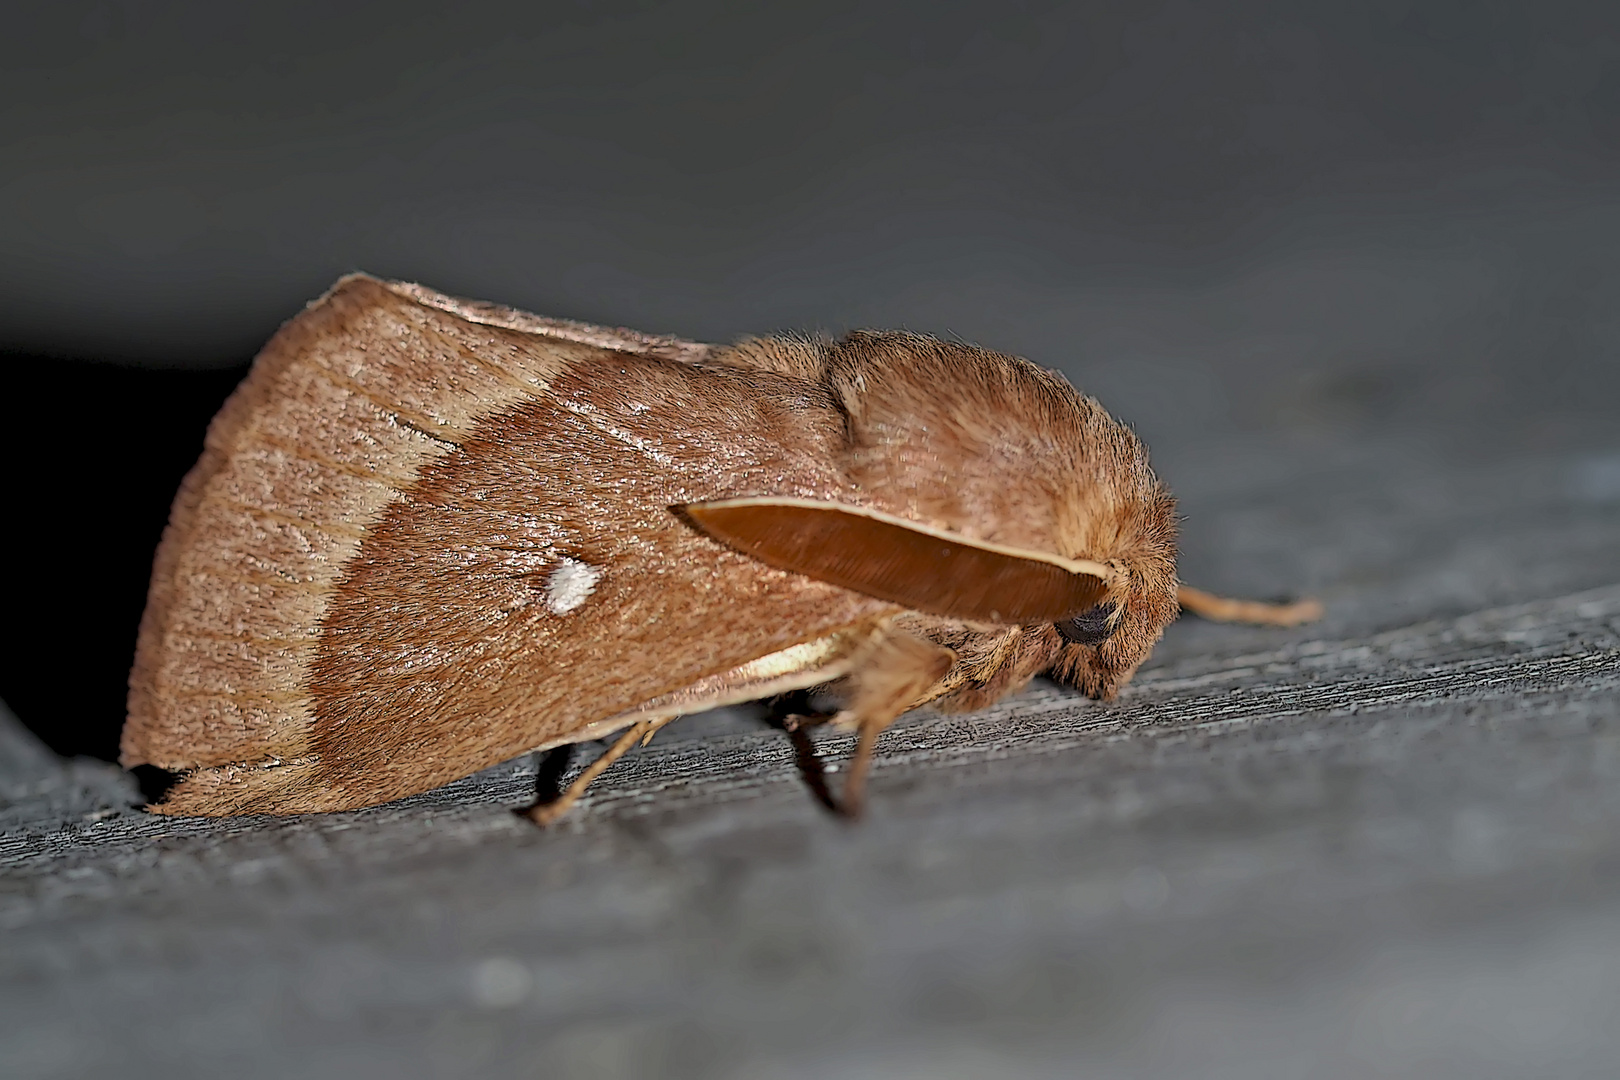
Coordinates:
[340,413]
[619,338]
[798,667]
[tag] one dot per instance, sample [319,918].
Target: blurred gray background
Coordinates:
[1352,270]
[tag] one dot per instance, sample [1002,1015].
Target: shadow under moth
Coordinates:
[427,535]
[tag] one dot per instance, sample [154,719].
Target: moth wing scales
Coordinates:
[310,430]
[339,752]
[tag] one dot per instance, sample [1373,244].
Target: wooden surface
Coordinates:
[1386,844]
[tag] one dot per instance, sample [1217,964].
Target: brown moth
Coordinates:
[427,535]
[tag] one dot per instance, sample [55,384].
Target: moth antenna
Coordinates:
[1224,609]
[547,813]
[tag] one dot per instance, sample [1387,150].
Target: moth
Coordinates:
[427,535]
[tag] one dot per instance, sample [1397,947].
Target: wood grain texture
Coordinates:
[1440,797]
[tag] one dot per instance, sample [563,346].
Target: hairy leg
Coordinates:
[548,812]
[893,676]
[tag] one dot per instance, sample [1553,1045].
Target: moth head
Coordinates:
[1103,645]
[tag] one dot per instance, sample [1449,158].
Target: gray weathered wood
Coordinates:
[1342,835]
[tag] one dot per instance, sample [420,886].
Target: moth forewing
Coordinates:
[308,646]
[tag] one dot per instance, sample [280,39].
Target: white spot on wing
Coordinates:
[570,585]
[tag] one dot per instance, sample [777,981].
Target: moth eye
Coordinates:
[1090,627]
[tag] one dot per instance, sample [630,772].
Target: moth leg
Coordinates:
[548,812]
[549,767]
[1223,609]
[893,677]
[799,721]
[794,711]
[810,767]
